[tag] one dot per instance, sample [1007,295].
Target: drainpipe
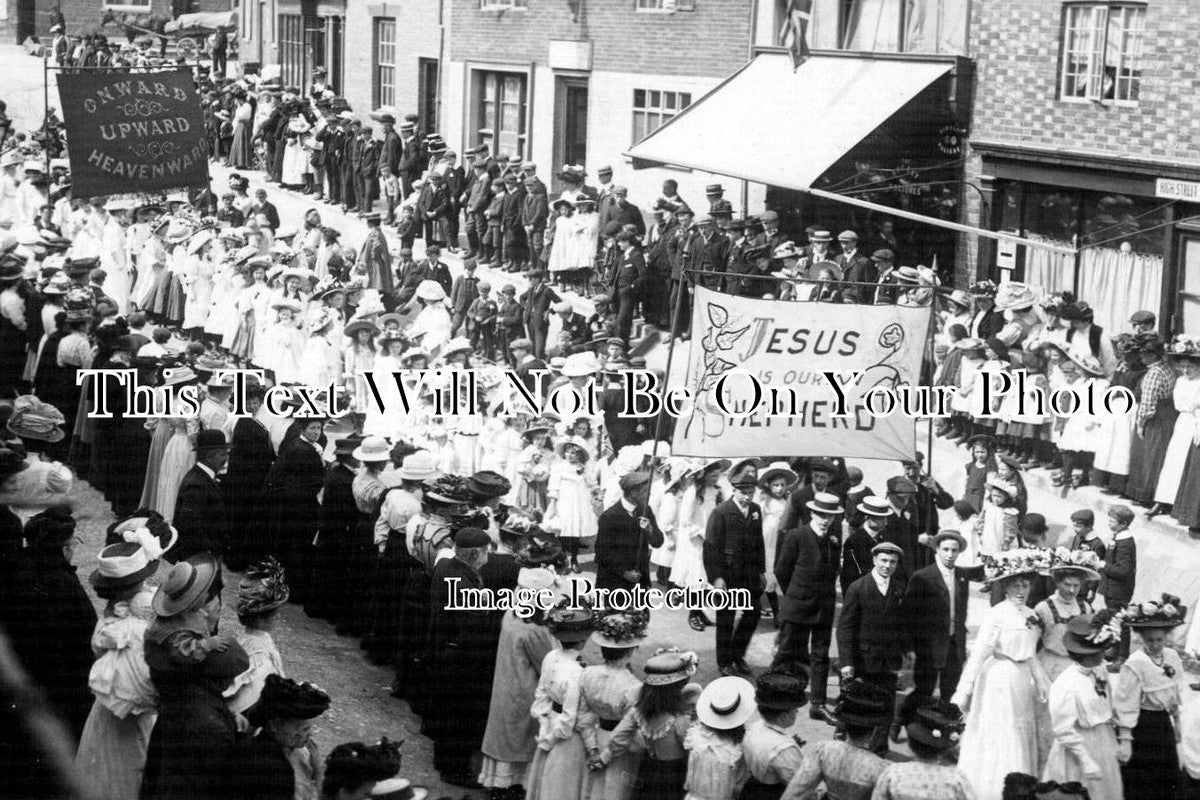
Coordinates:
[437,102]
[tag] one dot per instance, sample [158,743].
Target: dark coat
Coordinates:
[1119,572]
[511,208]
[500,571]
[806,568]
[927,612]
[535,307]
[621,546]
[857,559]
[798,513]
[250,459]
[390,151]
[200,516]
[902,531]
[623,214]
[291,498]
[858,269]
[368,159]
[630,274]
[192,753]
[733,547]
[264,773]
[462,653]
[870,630]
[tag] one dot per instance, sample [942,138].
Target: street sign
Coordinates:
[1172,189]
[1006,254]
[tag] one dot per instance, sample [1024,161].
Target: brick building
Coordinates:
[561,82]
[26,18]
[1087,132]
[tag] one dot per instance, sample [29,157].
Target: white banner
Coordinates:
[779,351]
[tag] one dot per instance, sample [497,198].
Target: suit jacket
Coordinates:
[806,568]
[463,292]
[621,546]
[683,251]
[269,211]
[630,274]
[858,268]
[870,631]
[389,152]
[510,209]
[368,159]
[623,214]
[713,257]
[535,307]
[927,613]
[412,160]
[535,209]
[199,516]
[500,571]
[1120,571]
[658,255]
[902,531]
[733,547]
[857,559]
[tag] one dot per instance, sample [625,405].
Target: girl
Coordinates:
[665,502]
[774,486]
[280,349]
[965,403]
[716,766]
[998,522]
[1059,609]
[1078,437]
[532,467]
[432,325]
[359,359]
[570,499]
[560,763]
[321,363]
[657,725]
[606,694]
[696,505]
[981,467]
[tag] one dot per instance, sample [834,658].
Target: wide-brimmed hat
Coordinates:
[262,589]
[419,466]
[286,304]
[431,291]
[459,344]
[398,789]
[777,469]
[778,690]
[581,365]
[937,724]
[487,484]
[994,481]
[1014,295]
[1021,563]
[874,506]
[570,624]
[187,583]
[178,375]
[373,448]
[726,703]
[1086,362]
[1166,612]
[864,704]
[129,529]
[669,665]
[283,698]
[1088,634]
[321,319]
[825,503]
[125,564]
[1084,563]
[58,284]
[624,630]
[34,419]
[960,298]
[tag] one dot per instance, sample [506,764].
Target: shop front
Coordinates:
[1134,227]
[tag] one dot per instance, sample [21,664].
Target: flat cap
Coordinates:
[1122,513]
[471,537]
[901,484]
[633,480]
[1143,318]
[887,547]
[1084,515]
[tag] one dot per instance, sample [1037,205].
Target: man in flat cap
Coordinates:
[870,631]
[713,257]
[1143,322]
[412,156]
[856,269]
[391,148]
[684,253]
[629,279]
[626,531]
[735,558]
[903,527]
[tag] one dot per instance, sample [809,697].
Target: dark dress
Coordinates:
[1147,453]
[293,512]
[1187,500]
[250,460]
[193,746]
[263,771]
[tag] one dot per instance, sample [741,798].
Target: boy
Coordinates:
[508,321]
[482,317]
[1120,563]
[389,189]
[462,294]
[492,245]
[407,226]
[1084,537]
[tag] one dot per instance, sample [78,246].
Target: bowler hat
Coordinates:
[210,440]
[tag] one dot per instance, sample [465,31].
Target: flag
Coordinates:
[795,30]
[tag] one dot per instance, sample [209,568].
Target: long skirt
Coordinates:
[112,752]
[1187,500]
[1114,442]
[1171,477]
[560,772]
[753,790]
[661,780]
[1148,452]
[1100,743]
[1153,771]
[242,345]
[502,774]
[177,459]
[158,446]
[241,154]
[1005,727]
[617,781]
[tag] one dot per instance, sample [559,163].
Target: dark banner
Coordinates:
[133,132]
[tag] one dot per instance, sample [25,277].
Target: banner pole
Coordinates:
[46,114]
[931,331]
[662,394]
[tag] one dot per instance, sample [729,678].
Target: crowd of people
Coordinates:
[372,520]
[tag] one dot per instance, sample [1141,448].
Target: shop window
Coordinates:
[500,106]
[385,62]
[652,108]
[291,49]
[1101,53]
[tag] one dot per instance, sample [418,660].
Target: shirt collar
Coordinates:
[628,506]
[207,470]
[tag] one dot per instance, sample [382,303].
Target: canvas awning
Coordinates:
[774,124]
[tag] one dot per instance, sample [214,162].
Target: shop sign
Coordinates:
[1172,189]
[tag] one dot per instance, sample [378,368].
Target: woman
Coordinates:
[1003,687]
[933,734]
[1085,743]
[353,770]
[261,592]
[432,326]
[1154,422]
[1147,702]
[695,507]
[241,151]
[1058,610]
[192,748]
[560,763]
[281,761]
[175,435]
[1115,436]
[510,740]
[607,693]
[290,501]
[1186,401]
[359,359]
[197,281]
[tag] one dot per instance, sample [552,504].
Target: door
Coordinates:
[1187,315]
[427,96]
[260,27]
[570,130]
[26,20]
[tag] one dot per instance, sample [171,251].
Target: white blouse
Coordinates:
[1075,706]
[559,684]
[716,767]
[1145,685]
[1009,632]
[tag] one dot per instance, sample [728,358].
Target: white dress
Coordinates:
[1084,736]
[198,280]
[571,490]
[222,313]
[575,239]
[1187,401]
[667,515]
[1081,430]
[1001,686]
[559,768]
[773,510]
[433,323]
[694,511]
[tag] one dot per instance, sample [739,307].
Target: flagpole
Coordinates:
[662,395]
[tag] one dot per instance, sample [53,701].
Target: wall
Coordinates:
[418,35]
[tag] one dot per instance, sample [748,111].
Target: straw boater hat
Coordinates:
[726,703]
[431,291]
[621,631]
[825,503]
[875,506]
[373,449]
[187,584]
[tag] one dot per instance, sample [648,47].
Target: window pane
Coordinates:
[686,101]
[639,98]
[639,126]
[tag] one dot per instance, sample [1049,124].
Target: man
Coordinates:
[735,558]
[435,209]
[817,249]
[806,568]
[526,365]
[412,158]
[629,279]
[200,506]
[870,629]
[623,212]
[986,321]
[604,195]
[265,207]
[535,310]
[823,472]
[575,331]
[656,305]
[884,261]
[682,252]
[463,292]
[856,269]
[435,269]
[458,654]
[376,258]
[535,212]
[720,209]
[929,499]
[478,201]
[713,256]
[626,531]
[1143,322]
[856,552]
[214,409]
[351,159]
[935,609]
[391,148]
[511,223]
[367,177]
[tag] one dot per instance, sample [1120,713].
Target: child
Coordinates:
[482,316]
[508,321]
[966,401]
[774,486]
[999,519]
[261,593]
[1120,565]
[183,606]
[493,242]
[664,500]
[965,523]
[407,228]
[659,722]
[716,765]
[389,190]
[533,468]
[570,500]
[982,465]
[1084,535]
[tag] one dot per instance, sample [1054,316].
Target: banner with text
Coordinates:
[133,132]
[776,352]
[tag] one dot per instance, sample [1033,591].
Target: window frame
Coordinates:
[663,6]
[135,6]
[378,65]
[503,5]
[483,96]
[1098,33]
[682,100]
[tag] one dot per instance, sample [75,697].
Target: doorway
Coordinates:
[261,38]
[427,94]
[570,130]
[1187,312]
[26,20]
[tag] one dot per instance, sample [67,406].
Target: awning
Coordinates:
[773,124]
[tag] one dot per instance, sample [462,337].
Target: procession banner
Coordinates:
[133,133]
[787,347]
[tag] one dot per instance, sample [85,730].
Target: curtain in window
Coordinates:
[935,26]
[823,27]
[1054,272]
[873,26]
[1117,284]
